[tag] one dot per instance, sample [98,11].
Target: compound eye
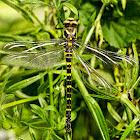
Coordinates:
[74,25]
[67,25]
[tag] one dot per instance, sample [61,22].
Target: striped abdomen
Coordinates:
[68,109]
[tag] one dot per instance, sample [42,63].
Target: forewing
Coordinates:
[34,55]
[30,46]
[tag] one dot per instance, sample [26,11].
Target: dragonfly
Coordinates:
[48,54]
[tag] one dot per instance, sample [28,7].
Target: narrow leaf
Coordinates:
[56,137]
[129,128]
[133,83]
[42,101]
[91,21]
[37,2]
[46,135]
[24,83]
[8,96]
[18,102]
[5,81]
[98,116]
[52,108]
[113,113]
[40,112]
[32,133]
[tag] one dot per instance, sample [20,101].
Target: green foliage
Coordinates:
[119,30]
[33,102]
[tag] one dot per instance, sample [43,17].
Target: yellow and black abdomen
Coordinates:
[68,109]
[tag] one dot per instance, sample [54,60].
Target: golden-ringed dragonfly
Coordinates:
[47,54]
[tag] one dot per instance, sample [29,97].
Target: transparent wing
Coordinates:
[34,55]
[91,75]
[108,57]
[30,46]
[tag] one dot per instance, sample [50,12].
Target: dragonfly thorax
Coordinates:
[70,30]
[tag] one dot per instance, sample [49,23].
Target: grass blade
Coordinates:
[32,133]
[129,128]
[24,83]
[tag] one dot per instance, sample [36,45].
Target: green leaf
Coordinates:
[42,101]
[25,83]
[18,102]
[5,81]
[40,112]
[133,83]
[98,116]
[41,127]
[71,7]
[73,115]
[56,137]
[6,125]
[52,108]
[113,113]
[119,31]
[32,133]
[89,26]
[129,128]
[20,94]
[33,2]
[36,2]
[46,135]
[8,37]
[8,96]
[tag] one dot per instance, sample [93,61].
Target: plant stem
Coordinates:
[36,18]
[93,27]
[51,95]
[135,84]
[95,23]
[126,101]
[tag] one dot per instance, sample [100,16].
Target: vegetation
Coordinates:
[33,102]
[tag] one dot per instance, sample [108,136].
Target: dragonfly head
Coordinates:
[70,22]
[70,30]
